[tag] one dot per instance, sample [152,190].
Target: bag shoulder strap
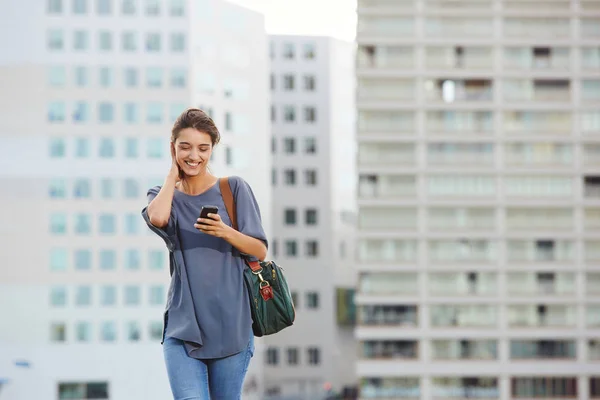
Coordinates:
[229,201]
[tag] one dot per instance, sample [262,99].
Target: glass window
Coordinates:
[82,147]
[132,224]
[56,40]
[83,296]
[292,355]
[310,114]
[177,42]
[58,188]
[80,7]
[129,41]
[107,259]
[55,6]
[131,188]
[154,113]
[289,177]
[58,148]
[108,331]
[291,248]
[288,51]
[312,248]
[288,82]
[290,216]
[58,259]
[106,76]
[83,332]
[132,295]
[130,77]
[106,148]
[153,42]
[57,76]
[156,330]
[105,40]
[107,188]
[309,51]
[58,223]
[82,189]
[272,356]
[314,356]
[312,300]
[105,112]
[154,77]
[128,7]
[130,113]
[104,7]
[80,40]
[58,332]
[132,147]
[311,216]
[134,331]
[310,145]
[83,223]
[108,295]
[309,83]
[56,111]
[81,113]
[132,259]
[152,7]
[107,224]
[157,295]
[289,145]
[177,8]
[156,259]
[58,296]
[178,77]
[156,147]
[81,76]
[289,113]
[83,259]
[310,177]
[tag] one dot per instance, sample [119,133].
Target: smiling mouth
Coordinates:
[191,164]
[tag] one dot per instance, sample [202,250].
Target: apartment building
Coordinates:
[312,117]
[479,199]
[88,92]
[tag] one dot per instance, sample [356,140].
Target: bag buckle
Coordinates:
[266,291]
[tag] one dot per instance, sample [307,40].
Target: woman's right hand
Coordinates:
[175,171]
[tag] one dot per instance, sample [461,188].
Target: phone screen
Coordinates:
[208,210]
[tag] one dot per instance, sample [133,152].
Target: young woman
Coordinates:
[207,336]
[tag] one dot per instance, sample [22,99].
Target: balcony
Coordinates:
[458,5]
[460,219]
[464,350]
[590,122]
[540,251]
[537,58]
[541,316]
[459,57]
[591,186]
[537,90]
[385,89]
[461,186]
[387,250]
[389,349]
[559,388]
[539,219]
[386,57]
[543,350]
[391,27]
[390,388]
[388,283]
[455,154]
[592,251]
[465,388]
[538,154]
[593,350]
[381,186]
[464,316]
[460,122]
[384,315]
[590,58]
[541,283]
[589,28]
[537,122]
[538,186]
[592,316]
[387,218]
[385,154]
[590,90]
[537,28]
[458,27]
[387,122]
[462,283]
[591,219]
[476,251]
[591,155]
[458,90]
[556,5]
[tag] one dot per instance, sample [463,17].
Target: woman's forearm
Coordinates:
[247,244]
[159,209]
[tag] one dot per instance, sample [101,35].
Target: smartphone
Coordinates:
[208,210]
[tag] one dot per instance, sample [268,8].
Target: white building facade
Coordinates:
[479,199]
[89,92]
[312,116]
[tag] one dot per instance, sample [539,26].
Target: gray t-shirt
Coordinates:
[208,305]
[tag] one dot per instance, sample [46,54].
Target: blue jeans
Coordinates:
[209,379]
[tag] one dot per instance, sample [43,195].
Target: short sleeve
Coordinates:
[169,232]
[248,212]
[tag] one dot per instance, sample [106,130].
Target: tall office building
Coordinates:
[312,119]
[88,93]
[479,199]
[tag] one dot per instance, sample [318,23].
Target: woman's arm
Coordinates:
[159,209]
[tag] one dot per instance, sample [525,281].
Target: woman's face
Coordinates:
[192,151]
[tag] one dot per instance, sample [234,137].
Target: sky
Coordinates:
[336,18]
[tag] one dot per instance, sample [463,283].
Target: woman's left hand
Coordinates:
[213,225]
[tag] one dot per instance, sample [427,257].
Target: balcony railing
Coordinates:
[462,122]
[386,186]
[386,154]
[386,26]
[389,89]
[458,27]
[516,5]
[387,218]
[541,316]
[527,154]
[385,57]
[458,5]
[591,219]
[387,250]
[386,121]
[537,27]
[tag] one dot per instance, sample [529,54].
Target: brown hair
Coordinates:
[197,119]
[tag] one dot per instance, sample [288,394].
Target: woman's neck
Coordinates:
[194,185]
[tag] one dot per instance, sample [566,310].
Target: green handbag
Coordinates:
[271,303]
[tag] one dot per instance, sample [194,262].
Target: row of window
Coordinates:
[289,82]
[106,224]
[289,177]
[176,8]
[313,356]
[290,145]
[83,295]
[106,112]
[106,147]
[83,390]
[291,248]
[289,51]
[63,259]
[82,42]
[289,114]
[105,331]
[310,216]
[107,188]
[130,77]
